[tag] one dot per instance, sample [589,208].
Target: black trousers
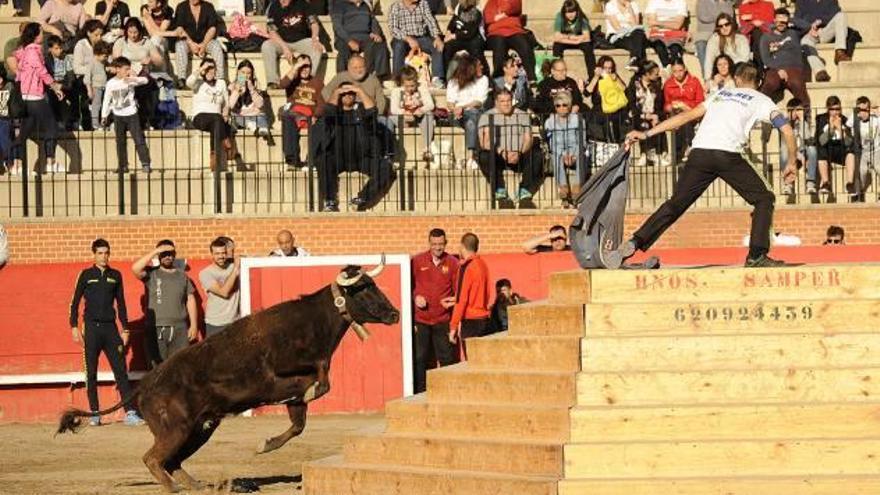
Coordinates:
[380,176]
[131,124]
[518,43]
[636,43]
[430,346]
[376,53]
[103,337]
[587,49]
[702,168]
[530,166]
[471,329]
[40,125]
[213,124]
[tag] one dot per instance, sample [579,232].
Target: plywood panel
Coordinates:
[791,485]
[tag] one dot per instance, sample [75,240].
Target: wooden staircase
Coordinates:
[711,381]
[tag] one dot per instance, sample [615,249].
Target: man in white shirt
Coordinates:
[867,143]
[287,245]
[728,118]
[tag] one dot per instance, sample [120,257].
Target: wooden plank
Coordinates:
[729,458]
[796,485]
[570,287]
[690,423]
[728,387]
[460,383]
[546,318]
[701,285]
[738,317]
[730,352]
[540,353]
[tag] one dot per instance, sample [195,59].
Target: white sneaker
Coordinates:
[664,160]
[788,190]
[472,164]
[642,160]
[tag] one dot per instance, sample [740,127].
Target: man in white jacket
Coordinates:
[119,99]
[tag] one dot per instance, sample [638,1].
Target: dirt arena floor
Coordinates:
[107,460]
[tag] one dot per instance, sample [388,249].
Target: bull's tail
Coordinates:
[70,421]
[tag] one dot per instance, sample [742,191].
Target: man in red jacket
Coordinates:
[434,273]
[470,316]
[681,93]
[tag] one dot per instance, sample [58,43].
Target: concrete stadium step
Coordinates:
[462,383]
[714,485]
[455,453]
[728,422]
[416,414]
[743,457]
[502,351]
[759,318]
[706,353]
[546,319]
[720,386]
[336,476]
[859,71]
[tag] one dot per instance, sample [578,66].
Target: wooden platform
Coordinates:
[690,381]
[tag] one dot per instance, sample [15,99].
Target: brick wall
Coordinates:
[45,241]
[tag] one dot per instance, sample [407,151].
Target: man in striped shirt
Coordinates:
[414,29]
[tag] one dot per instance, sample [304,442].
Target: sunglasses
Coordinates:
[562,105]
[724,25]
[864,110]
[833,109]
[168,254]
[834,241]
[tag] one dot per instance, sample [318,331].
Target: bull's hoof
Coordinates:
[267,445]
[171,487]
[187,481]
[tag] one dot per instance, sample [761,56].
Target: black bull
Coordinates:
[279,355]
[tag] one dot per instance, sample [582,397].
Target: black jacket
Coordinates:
[99,288]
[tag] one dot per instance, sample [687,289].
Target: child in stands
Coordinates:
[412,104]
[60,65]
[119,99]
[95,81]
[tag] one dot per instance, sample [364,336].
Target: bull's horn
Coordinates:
[378,269]
[361,332]
[342,279]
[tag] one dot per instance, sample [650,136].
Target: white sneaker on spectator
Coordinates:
[633,64]
[664,160]
[788,190]
[811,187]
[642,160]
[472,164]
[438,83]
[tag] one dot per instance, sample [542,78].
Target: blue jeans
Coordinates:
[701,55]
[400,49]
[811,155]
[469,120]
[242,121]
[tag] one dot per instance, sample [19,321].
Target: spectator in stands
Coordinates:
[667,31]
[466,96]
[171,300]
[112,14]
[805,141]
[350,140]
[6,153]
[4,246]
[506,142]
[566,132]
[504,31]
[197,23]
[357,30]
[95,82]
[571,31]
[756,17]
[120,100]
[835,143]
[783,59]
[247,103]
[434,274]
[304,104]
[681,93]
[357,73]
[210,109]
[465,33]
[292,28]
[413,30]
[60,64]
[554,240]
[39,124]
[470,314]
[147,61]
[609,99]
[824,22]
[722,74]
[412,104]
[9,47]
[514,80]
[624,29]
[157,17]
[645,98]
[101,286]
[504,298]
[866,132]
[287,245]
[707,13]
[220,282]
[84,62]
[725,41]
[834,236]
[557,82]
[63,18]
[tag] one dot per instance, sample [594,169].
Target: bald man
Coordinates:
[287,245]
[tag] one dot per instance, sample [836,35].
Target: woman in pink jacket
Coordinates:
[39,124]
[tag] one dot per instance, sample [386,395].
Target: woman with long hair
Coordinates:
[645,95]
[157,18]
[83,66]
[571,31]
[210,108]
[726,41]
[722,74]
[303,107]
[39,124]
[466,95]
[609,99]
[146,61]
[247,102]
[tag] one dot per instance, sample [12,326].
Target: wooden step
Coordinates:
[503,351]
[461,383]
[724,458]
[334,476]
[728,387]
[534,423]
[692,423]
[546,318]
[459,452]
[690,353]
[739,318]
[775,485]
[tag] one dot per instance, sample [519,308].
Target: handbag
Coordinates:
[17,110]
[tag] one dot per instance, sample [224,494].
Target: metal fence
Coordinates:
[182,181]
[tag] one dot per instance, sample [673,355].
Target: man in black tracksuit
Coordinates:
[100,285]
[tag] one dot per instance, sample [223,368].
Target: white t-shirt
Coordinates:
[731,113]
[612,9]
[666,10]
